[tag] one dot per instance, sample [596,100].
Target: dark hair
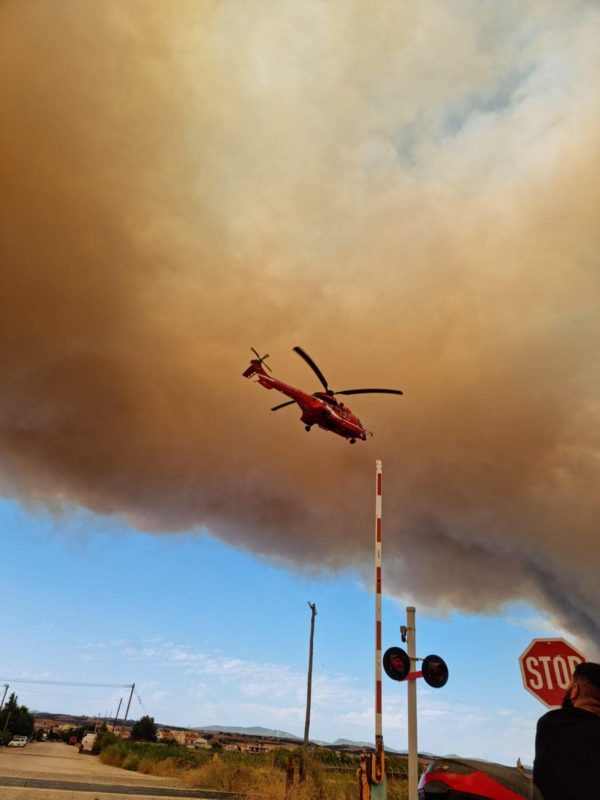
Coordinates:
[588,674]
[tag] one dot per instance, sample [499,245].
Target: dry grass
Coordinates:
[261,778]
[169,768]
[111,759]
[268,782]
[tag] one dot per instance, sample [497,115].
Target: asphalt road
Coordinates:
[56,771]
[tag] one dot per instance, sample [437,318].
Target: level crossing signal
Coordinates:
[396,663]
[434,671]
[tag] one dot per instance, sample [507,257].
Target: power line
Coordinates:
[140,702]
[70,683]
[56,694]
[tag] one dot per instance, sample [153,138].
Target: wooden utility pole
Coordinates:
[4,696]
[313,608]
[127,712]
[117,717]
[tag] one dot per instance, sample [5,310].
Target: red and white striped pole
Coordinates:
[379,765]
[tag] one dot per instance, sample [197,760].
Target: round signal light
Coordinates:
[396,663]
[435,671]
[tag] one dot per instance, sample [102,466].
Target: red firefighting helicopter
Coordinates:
[319,408]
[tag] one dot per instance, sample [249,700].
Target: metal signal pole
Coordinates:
[127,712]
[413,753]
[308,692]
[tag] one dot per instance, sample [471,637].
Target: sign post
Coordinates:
[413,750]
[547,667]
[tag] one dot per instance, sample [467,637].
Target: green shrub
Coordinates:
[132,763]
[103,739]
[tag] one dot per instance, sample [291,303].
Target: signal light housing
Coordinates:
[435,671]
[396,663]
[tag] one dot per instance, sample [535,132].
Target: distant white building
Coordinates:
[191,739]
[256,748]
[202,744]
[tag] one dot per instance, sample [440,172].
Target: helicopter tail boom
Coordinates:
[255,368]
[257,365]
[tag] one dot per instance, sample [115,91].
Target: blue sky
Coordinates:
[212,635]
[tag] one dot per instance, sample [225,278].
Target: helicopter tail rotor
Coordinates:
[256,366]
[262,359]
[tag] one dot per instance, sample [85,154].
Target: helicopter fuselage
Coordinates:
[320,408]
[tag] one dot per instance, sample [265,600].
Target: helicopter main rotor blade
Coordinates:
[313,366]
[370,391]
[283,405]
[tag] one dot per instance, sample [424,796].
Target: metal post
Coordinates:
[3,697]
[413,758]
[127,712]
[289,778]
[117,717]
[364,788]
[378,760]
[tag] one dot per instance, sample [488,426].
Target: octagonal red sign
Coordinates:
[547,666]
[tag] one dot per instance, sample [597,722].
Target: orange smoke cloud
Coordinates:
[409,194]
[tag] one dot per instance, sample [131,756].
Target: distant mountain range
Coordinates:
[350,743]
[256,731]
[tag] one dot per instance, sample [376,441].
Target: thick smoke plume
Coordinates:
[408,190]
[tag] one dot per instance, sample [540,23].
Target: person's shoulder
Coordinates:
[559,717]
[555,715]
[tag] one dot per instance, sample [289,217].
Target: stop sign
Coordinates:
[547,666]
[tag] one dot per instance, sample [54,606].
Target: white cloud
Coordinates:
[158,697]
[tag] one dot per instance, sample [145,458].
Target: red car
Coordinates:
[461,779]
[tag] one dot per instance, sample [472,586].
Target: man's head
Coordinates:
[584,689]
